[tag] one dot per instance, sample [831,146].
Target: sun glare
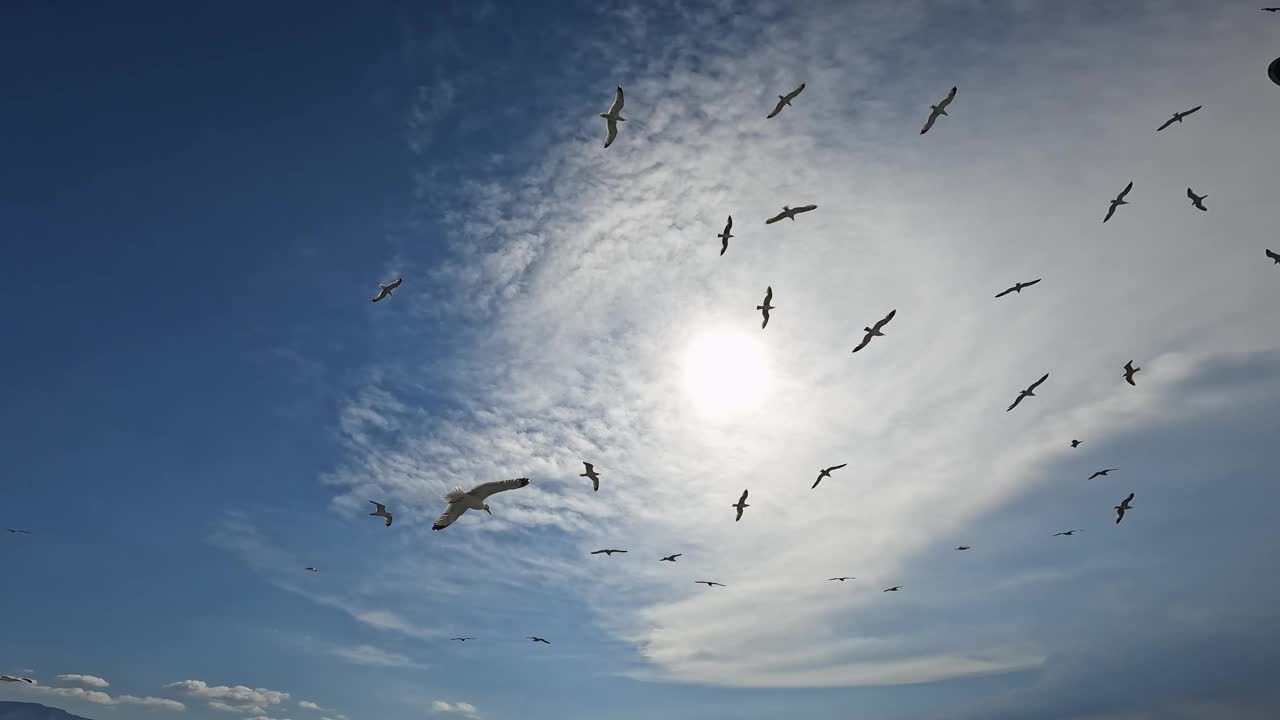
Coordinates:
[725,373]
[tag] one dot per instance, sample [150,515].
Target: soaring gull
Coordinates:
[741,505]
[964,547]
[766,307]
[785,100]
[895,588]
[708,583]
[310,569]
[1017,287]
[842,579]
[591,473]
[381,511]
[790,212]
[1272,254]
[724,236]
[874,330]
[1129,372]
[1118,201]
[671,558]
[1068,533]
[1102,473]
[11,678]
[1029,392]
[1197,201]
[608,552]
[461,500]
[1177,117]
[1075,443]
[462,639]
[939,109]
[535,638]
[384,291]
[1124,505]
[15,532]
[613,117]
[826,473]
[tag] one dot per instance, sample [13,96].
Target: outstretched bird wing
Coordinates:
[612,132]
[947,100]
[483,491]
[768,294]
[1015,402]
[885,320]
[776,109]
[865,341]
[449,516]
[1033,282]
[792,95]
[1167,123]
[1273,255]
[396,284]
[776,218]
[1126,190]
[1036,384]
[1006,292]
[804,209]
[616,107]
[836,467]
[933,116]
[1192,110]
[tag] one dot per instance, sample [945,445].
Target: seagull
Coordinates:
[785,100]
[535,638]
[11,678]
[1029,392]
[1270,9]
[1075,443]
[1102,473]
[1129,371]
[591,473]
[842,579]
[1118,201]
[1270,253]
[381,511]
[708,583]
[13,531]
[1124,505]
[895,588]
[1177,117]
[790,212]
[741,505]
[939,109]
[1068,533]
[826,473]
[1197,200]
[1017,287]
[671,558]
[607,552]
[461,500]
[724,236]
[963,547]
[462,639]
[874,330]
[613,117]
[310,569]
[766,307]
[384,291]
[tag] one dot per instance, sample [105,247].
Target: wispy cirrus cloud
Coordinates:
[373,657]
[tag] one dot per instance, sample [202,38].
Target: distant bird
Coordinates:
[842,579]
[1029,392]
[790,212]
[384,291]
[1177,117]
[766,307]
[1068,533]
[1129,372]
[1102,473]
[381,511]
[591,473]
[785,100]
[1017,287]
[671,558]
[1270,254]
[11,678]
[462,639]
[874,330]
[724,236]
[24,532]
[708,583]
[1075,443]
[826,473]
[741,505]
[895,588]
[607,552]
[535,638]
[1118,201]
[1270,9]
[310,569]
[461,500]
[1197,200]
[1124,505]
[964,547]
[939,109]
[613,117]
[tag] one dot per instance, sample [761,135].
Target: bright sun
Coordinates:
[725,373]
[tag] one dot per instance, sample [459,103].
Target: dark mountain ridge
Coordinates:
[33,711]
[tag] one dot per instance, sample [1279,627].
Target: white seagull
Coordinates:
[1197,200]
[384,291]
[11,678]
[591,473]
[874,330]
[613,117]
[766,307]
[310,569]
[381,511]
[461,500]
[1118,201]
[785,100]
[790,212]
[741,505]
[724,236]
[1029,392]
[1177,117]
[939,109]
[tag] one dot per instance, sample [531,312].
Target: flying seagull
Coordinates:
[535,638]
[790,212]
[1068,533]
[785,100]
[671,558]
[964,547]
[13,531]
[613,117]
[724,236]
[842,579]
[895,588]
[1270,253]
[1075,443]
[609,552]
[1177,117]
[826,473]
[381,511]
[462,639]
[874,330]
[461,500]
[1124,505]
[1029,392]
[310,569]
[939,109]
[384,291]
[11,678]
[1129,371]
[591,473]
[1017,287]
[708,583]
[1102,473]
[1270,9]
[741,505]
[1197,200]
[766,307]
[1118,201]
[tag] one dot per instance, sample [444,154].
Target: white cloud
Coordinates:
[455,708]
[98,697]
[153,702]
[373,656]
[238,693]
[308,705]
[249,709]
[90,680]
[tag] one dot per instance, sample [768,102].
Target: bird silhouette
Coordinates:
[1122,507]
[1274,256]
[874,330]
[1129,372]
[534,637]
[842,579]
[724,236]
[1029,392]
[1177,117]
[766,307]
[1197,201]
[609,552]
[591,473]
[384,291]
[1075,443]
[741,505]
[708,583]
[826,473]
[671,558]
[790,212]
[613,117]
[1017,287]
[1102,473]
[938,110]
[784,101]
[1118,201]
[381,512]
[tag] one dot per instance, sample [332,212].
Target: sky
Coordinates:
[197,203]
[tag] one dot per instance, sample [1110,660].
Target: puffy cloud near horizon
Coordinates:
[443,707]
[90,680]
[238,693]
[97,697]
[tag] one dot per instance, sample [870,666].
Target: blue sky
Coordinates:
[197,204]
